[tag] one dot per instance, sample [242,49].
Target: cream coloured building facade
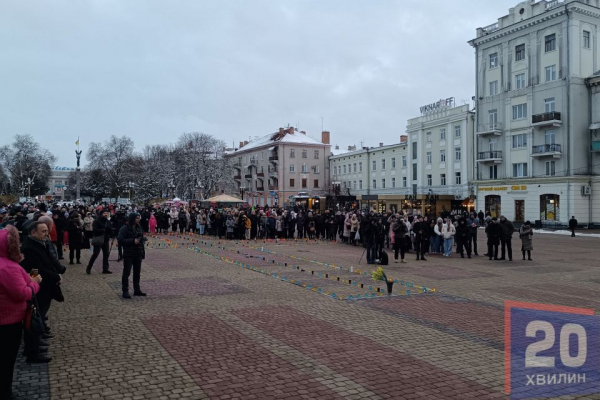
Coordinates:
[532,138]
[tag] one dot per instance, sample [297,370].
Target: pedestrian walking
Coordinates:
[572,225]
[101,236]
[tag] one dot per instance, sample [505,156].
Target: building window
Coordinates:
[442,155]
[493,88]
[549,105]
[550,136]
[304,169]
[354,185]
[550,168]
[429,180]
[414,150]
[374,165]
[442,134]
[304,153]
[551,73]
[316,183]
[404,161]
[457,154]
[519,141]
[443,179]
[393,182]
[457,179]
[360,184]
[292,153]
[493,60]
[550,41]
[292,182]
[316,154]
[550,207]
[414,172]
[304,184]
[383,183]
[404,181]
[520,81]
[354,165]
[344,168]
[335,170]
[493,172]
[393,162]
[316,169]
[360,166]
[586,40]
[383,164]
[374,183]
[428,157]
[428,135]
[519,111]
[292,168]
[519,170]
[493,118]
[520,52]
[457,131]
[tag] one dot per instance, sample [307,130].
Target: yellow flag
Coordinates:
[77,142]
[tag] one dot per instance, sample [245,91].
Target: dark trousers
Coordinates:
[420,248]
[97,249]
[507,244]
[59,244]
[399,245]
[493,250]
[174,227]
[461,245]
[473,242]
[371,253]
[10,337]
[528,254]
[128,263]
[76,252]
[572,232]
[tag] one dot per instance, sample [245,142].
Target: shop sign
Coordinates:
[493,188]
[438,105]
[431,199]
[410,197]
[518,187]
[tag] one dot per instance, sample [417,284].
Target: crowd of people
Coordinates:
[33,240]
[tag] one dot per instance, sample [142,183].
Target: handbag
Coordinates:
[34,323]
[357,236]
[98,240]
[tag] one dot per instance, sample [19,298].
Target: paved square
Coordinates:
[298,320]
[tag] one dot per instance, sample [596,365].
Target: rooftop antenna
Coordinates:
[322,124]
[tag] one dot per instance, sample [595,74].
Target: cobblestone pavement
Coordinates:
[298,320]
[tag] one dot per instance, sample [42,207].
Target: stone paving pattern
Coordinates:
[212,329]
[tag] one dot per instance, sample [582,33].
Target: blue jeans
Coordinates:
[434,244]
[201,228]
[448,246]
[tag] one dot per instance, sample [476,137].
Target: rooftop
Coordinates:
[284,135]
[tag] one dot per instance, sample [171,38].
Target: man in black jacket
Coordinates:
[101,229]
[463,238]
[506,239]
[493,231]
[37,256]
[131,237]
[572,225]
[421,233]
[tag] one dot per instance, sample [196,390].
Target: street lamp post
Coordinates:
[29,183]
[131,185]
[172,187]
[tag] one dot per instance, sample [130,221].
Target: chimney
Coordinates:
[349,148]
[403,138]
[245,142]
[325,137]
[280,131]
[241,144]
[303,132]
[380,144]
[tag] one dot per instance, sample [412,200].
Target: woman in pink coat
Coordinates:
[152,223]
[16,287]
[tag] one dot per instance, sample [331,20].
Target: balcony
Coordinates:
[237,164]
[545,150]
[260,188]
[274,158]
[253,162]
[273,171]
[546,119]
[494,129]
[237,177]
[490,156]
[248,176]
[595,146]
[273,187]
[260,174]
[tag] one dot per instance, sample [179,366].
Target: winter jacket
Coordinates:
[37,256]
[463,232]
[526,235]
[507,229]
[101,227]
[127,236]
[494,232]
[448,230]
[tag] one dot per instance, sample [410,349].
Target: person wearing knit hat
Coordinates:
[493,232]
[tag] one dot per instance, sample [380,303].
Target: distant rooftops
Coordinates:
[57,168]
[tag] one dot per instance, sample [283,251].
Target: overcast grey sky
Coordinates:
[154,69]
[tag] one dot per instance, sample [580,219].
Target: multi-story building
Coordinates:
[271,170]
[440,157]
[593,192]
[532,138]
[59,182]
[427,172]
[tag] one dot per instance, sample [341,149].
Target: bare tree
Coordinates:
[115,159]
[24,161]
